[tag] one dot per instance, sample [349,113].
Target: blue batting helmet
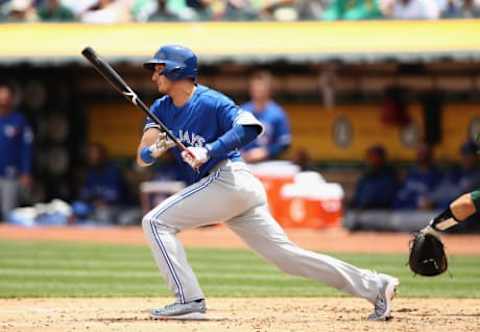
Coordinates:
[180,62]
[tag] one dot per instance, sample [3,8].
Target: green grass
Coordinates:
[44,269]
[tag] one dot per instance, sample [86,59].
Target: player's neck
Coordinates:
[182,93]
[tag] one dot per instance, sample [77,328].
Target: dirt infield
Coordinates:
[245,315]
[332,240]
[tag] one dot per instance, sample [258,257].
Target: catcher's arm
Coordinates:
[458,211]
[427,254]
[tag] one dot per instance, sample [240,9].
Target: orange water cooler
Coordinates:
[311,202]
[300,199]
[274,176]
[303,212]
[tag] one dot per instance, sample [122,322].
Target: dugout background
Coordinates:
[345,86]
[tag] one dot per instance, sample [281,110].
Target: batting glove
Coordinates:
[200,156]
[162,144]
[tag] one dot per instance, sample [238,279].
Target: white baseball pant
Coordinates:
[233,195]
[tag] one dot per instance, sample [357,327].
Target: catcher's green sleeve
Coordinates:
[475,195]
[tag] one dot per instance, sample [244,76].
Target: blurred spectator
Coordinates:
[54,11]
[15,152]
[303,159]
[20,11]
[451,8]
[141,10]
[410,9]
[4,10]
[107,12]
[463,179]
[352,10]
[78,7]
[276,138]
[467,178]
[104,190]
[311,9]
[53,154]
[278,10]
[377,186]
[169,10]
[461,9]
[470,174]
[198,10]
[117,11]
[394,110]
[471,9]
[420,183]
[239,10]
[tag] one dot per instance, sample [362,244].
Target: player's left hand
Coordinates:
[162,144]
[200,153]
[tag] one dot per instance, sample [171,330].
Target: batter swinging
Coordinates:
[221,188]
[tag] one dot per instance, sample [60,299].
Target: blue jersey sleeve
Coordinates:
[282,130]
[233,139]
[281,136]
[229,115]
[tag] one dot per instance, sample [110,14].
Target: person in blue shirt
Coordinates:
[420,184]
[16,139]
[276,137]
[461,179]
[376,188]
[221,188]
[104,190]
[104,182]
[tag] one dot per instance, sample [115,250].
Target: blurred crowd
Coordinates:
[422,186]
[121,11]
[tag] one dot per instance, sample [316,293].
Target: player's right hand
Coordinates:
[162,144]
[195,156]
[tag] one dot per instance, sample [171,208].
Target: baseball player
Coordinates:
[16,141]
[222,189]
[276,137]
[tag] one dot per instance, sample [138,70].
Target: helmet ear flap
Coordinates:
[174,73]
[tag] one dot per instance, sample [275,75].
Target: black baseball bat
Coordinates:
[119,84]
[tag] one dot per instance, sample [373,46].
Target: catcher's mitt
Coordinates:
[427,255]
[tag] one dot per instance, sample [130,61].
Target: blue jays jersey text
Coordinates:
[204,118]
